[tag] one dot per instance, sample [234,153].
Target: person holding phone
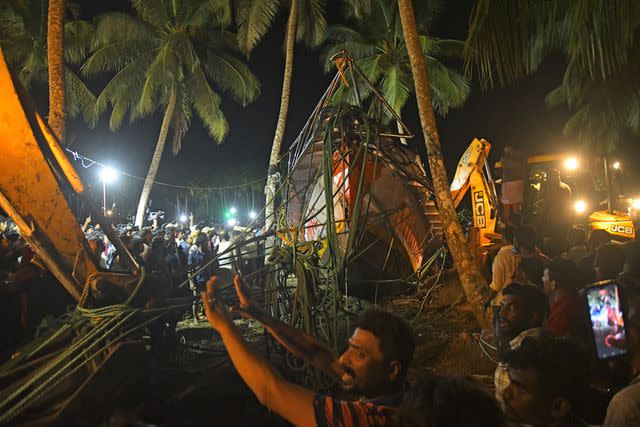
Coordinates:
[624,408]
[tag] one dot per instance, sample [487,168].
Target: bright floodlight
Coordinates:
[616,165]
[580,206]
[232,222]
[635,203]
[233,211]
[108,174]
[109,212]
[252,215]
[183,218]
[571,163]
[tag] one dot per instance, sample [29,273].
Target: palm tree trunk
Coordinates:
[155,161]
[473,283]
[55,58]
[273,177]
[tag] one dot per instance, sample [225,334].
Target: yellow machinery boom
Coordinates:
[34,173]
[470,176]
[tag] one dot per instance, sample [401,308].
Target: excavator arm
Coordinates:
[34,176]
[473,174]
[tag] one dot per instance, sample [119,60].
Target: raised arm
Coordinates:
[300,344]
[292,402]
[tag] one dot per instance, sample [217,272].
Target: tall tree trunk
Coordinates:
[155,161]
[474,284]
[273,176]
[55,58]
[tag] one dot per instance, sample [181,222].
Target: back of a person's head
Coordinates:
[534,298]
[144,231]
[395,335]
[533,268]
[576,236]
[598,238]
[560,364]
[508,234]
[224,235]
[515,219]
[201,240]
[564,273]
[609,260]
[526,237]
[448,402]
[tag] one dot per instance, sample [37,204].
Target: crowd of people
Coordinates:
[173,253]
[547,371]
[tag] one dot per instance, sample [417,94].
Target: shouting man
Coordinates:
[373,367]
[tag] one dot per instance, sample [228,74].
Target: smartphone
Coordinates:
[607,322]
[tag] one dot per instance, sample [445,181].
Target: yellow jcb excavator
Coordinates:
[474,175]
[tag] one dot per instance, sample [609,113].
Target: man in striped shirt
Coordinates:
[373,367]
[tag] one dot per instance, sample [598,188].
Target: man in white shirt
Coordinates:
[504,265]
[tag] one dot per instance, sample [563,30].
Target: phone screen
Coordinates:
[607,323]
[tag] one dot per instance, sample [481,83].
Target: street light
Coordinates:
[107,176]
[232,222]
[233,211]
[616,165]
[253,215]
[183,218]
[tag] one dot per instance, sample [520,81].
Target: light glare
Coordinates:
[252,215]
[571,163]
[232,222]
[580,206]
[108,174]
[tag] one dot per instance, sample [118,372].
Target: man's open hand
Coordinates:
[247,307]
[217,313]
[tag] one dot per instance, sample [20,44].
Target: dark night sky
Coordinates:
[515,115]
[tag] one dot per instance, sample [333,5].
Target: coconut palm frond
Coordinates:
[254,17]
[500,36]
[206,103]
[201,13]
[233,76]
[77,41]
[155,12]
[312,22]
[79,100]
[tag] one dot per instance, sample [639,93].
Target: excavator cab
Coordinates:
[595,186]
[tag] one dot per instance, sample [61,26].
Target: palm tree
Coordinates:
[599,40]
[306,22]
[55,55]
[167,58]
[376,43]
[23,38]
[472,281]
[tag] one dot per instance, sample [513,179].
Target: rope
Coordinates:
[77,156]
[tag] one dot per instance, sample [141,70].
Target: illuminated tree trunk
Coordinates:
[155,161]
[55,58]
[273,176]
[474,284]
